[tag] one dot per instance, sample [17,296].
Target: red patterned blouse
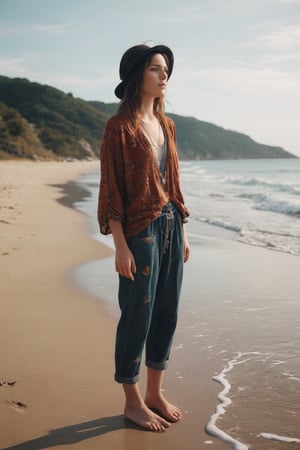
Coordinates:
[131,190]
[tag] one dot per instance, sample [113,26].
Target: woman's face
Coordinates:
[155,77]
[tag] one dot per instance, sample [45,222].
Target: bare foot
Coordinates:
[143,416]
[164,408]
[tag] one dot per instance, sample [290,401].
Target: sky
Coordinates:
[237,62]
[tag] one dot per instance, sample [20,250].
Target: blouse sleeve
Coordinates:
[112,189]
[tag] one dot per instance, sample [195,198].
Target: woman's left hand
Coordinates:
[186,246]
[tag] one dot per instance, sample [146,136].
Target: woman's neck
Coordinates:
[146,111]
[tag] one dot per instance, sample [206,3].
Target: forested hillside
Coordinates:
[39,121]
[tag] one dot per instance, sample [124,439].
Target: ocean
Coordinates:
[259,199]
[251,330]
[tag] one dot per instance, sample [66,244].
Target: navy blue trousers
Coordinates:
[149,304]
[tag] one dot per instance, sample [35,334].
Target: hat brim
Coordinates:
[162,49]
[120,90]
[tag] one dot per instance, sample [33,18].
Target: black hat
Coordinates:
[136,55]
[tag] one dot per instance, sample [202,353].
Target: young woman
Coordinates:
[141,204]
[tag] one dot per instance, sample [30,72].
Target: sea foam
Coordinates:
[276,437]
[225,401]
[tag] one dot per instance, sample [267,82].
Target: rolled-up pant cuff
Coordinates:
[123,380]
[157,366]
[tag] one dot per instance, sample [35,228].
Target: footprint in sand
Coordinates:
[17,405]
[7,383]
[20,406]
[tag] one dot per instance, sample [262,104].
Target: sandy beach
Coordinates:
[57,342]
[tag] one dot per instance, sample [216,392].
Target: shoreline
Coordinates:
[58,342]
[212,335]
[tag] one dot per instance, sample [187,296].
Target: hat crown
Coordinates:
[130,58]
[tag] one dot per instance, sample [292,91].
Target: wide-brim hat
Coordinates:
[136,56]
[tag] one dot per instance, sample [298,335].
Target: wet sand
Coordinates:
[238,332]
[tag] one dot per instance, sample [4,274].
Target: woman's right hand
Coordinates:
[125,263]
[124,260]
